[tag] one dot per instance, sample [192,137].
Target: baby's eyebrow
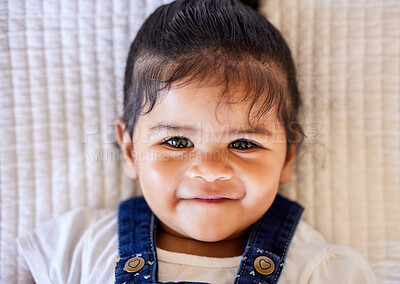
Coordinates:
[191,130]
[175,128]
[259,131]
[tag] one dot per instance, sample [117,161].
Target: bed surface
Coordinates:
[61,68]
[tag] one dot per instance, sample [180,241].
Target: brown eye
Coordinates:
[179,142]
[243,144]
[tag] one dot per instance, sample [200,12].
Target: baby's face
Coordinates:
[208,175]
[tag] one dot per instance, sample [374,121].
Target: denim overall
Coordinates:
[262,260]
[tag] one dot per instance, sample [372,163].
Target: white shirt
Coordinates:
[187,267]
[81,247]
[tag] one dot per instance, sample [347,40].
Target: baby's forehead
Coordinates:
[223,98]
[208,111]
[193,111]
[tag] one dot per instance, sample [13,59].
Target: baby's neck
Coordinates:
[226,248]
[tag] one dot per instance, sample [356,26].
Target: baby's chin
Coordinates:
[214,233]
[209,238]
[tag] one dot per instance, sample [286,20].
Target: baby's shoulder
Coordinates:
[311,259]
[67,249]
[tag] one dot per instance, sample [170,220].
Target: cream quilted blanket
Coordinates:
[61,67]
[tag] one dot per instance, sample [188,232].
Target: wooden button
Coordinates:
[134,264]
[264,265]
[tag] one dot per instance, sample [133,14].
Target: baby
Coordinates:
[210,130]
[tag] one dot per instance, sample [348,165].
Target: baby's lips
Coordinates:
[212,196]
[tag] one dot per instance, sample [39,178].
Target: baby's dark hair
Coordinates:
[223,42]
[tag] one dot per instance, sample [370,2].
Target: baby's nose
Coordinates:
[210,169]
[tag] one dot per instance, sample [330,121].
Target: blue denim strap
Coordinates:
[136,238]
[270,237]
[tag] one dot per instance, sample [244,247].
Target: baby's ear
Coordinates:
[125,143]
[287,169]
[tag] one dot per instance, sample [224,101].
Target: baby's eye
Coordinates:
[243,144]
[179,142]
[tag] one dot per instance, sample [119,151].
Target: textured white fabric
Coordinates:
[61,70]
[81,247]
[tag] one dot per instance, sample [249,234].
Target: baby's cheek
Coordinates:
[261,174]
[163,170]
[261,186]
